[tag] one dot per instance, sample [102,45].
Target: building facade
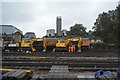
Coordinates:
[10,34]
[50,32]
[8,31]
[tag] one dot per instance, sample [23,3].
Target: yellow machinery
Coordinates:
[39,44]
[51,43]
[77,42]
[61,45]
[64,44]
[36,44]
[85,44]
[26,44]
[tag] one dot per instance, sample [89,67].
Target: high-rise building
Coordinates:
[58,26]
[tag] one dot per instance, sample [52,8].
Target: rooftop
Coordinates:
[9,29]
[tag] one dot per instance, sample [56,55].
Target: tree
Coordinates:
[106,26]
[77,30]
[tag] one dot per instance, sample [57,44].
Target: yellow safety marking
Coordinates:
[14,70]
[34,57]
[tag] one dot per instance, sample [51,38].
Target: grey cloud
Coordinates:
[16,12]
[42,16]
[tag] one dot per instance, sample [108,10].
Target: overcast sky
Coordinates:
[39,16]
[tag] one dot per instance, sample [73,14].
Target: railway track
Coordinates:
[74,64]
[62,61]
[84,61]
[41,63]
[90,65]
[62,54]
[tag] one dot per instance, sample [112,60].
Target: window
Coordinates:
[62,41]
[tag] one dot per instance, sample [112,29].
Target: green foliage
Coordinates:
[106,26]
[77,30]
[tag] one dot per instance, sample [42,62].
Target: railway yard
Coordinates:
[59,65]
[73,58]
[82,43]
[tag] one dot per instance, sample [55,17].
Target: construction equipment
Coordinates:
[60,45]
[77,42]
[44,44]
[85,44]
[39,44]
[26,44]
[51,43]
[63,44]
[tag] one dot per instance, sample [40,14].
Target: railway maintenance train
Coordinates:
[47,44]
